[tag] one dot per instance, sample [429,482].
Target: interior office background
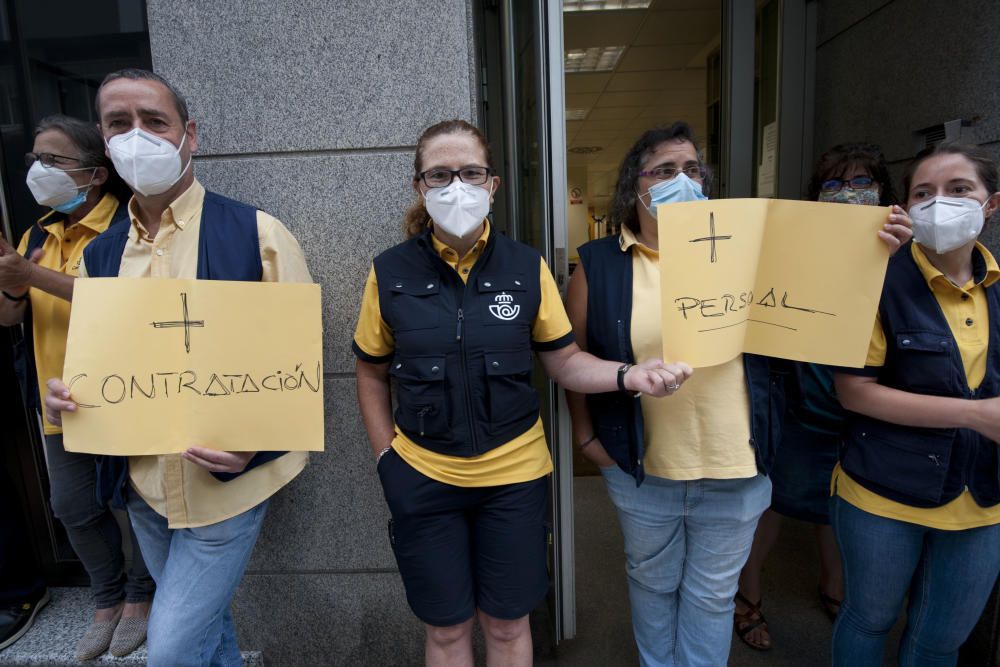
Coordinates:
[311,109]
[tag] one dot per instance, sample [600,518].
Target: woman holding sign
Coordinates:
[916,506]
[70,174]
[453,315]
[810,439]
[686,475]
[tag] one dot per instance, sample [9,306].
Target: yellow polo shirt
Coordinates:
[702,431]
[184,492]
[62,251]
[961,306]
[524,458]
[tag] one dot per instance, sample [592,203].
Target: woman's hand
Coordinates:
[897,231]
[655,378]
[57,401]
[595,453]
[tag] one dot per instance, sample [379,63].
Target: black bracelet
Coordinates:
[10,296]
[622,370]
[587,441]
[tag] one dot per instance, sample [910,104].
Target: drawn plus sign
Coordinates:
[712,237]
[187,323]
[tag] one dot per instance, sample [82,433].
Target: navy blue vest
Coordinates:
[24,350]
[463,351]
[617,416]
[925,467]
[228,249]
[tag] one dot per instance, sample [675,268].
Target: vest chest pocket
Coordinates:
[511,396]
[421,407]
[414,303]
[505,300]
[926,362]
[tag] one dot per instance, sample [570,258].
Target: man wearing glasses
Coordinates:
[197,514]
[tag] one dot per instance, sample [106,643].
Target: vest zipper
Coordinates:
[421,413]
[465,380]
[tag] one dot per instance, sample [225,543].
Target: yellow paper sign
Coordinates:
[157,366]
[790,279]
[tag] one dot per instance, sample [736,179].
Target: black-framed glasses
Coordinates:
[439,178]
[48,159]
[837,184]
[665,173]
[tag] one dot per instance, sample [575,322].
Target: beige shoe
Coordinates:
[129,635]
[97,639]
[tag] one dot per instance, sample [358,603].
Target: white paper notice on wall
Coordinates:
[767,170]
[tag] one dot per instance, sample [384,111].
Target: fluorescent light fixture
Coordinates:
[603,5]
[594,59]
[576,114]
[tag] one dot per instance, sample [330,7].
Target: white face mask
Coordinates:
[459,208]
[943,224]
[53,187]
[149,164]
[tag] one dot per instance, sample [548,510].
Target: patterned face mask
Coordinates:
[866,196]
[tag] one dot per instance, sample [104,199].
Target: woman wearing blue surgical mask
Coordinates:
[688,475]
[916,507]
[810,438]
[455,315]
[70,174]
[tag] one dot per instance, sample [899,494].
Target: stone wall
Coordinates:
[310,110]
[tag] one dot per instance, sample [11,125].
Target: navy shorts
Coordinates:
[460,548]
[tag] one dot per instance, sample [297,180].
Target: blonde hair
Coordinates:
[417,219]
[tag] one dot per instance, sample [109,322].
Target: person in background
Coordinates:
[916,495]
[454,314]
[70,174]
[853,173]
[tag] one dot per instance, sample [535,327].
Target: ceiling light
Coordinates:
[576,114]
[594,59]
[603,5]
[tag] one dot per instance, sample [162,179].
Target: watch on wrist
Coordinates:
[622,370]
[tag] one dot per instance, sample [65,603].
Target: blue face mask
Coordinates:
[72,204]
[678,189]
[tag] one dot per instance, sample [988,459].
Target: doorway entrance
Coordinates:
[568,86]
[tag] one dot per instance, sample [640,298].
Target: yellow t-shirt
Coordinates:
[62,251]
[702,431]
[524,458]
[967,312]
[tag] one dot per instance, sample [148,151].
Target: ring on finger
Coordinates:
[673,387]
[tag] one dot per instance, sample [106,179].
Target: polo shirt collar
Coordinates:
[181,210]
[985,270]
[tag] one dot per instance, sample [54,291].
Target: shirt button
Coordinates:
[968,322]
[965,297]
[465,270]
[159,252]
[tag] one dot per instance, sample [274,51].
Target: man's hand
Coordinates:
[215,461]
[57,401]
[655,378]
[15,270]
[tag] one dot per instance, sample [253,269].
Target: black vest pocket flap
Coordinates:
[923,341]
[508,363]
[507,283]
[909,461]
[421,369]
[415,286]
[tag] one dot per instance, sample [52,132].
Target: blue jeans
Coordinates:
[196,571]
[685,544]
[948,573]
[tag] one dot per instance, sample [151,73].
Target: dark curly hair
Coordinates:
[837,161]
[622,212]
